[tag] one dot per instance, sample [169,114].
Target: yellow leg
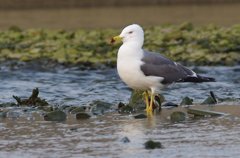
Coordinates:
[146,99]
[150,109]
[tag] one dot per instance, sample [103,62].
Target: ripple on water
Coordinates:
[101,136]
[30,136]
[84,86]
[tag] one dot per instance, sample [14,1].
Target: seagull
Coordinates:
[148,71]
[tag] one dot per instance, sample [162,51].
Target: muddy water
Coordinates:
[102,137]
[28,135]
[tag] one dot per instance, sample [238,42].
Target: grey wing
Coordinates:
[158,65]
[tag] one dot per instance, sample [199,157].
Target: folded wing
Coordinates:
[157,65]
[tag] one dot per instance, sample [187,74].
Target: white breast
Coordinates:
[128,66]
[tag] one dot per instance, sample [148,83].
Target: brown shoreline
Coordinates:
[60,4]
[111,17]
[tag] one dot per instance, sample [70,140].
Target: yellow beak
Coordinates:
[116,39]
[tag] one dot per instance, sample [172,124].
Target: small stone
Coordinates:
[125,109]
[120,105]
[125,140]
[140,116]
[150,144]
[55,116]
[211,99]
[186,101]
[170,104]
[178,116]
[82,116]
[100,107]
[74,129]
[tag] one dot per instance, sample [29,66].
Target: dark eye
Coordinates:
[130,32]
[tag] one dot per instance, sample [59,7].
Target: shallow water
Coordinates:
[102,137]
[71,86]
[29,135]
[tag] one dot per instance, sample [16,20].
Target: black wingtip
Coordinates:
[206,79]
[197,79]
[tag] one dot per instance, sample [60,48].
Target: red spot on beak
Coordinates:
[112,41]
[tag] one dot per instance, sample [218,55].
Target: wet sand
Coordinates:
[110,17]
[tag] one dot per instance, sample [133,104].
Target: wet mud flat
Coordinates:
[26,133]
[117,135]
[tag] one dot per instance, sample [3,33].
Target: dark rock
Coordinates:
[186,101]
[136,100]
[78,110]
[74,129]
[120,105]
[125,109]
[150,144]
[178,116]
[82,116]
[99,107]
[210,99]
[169,104]
[140,116]
[55,116]
[125,140]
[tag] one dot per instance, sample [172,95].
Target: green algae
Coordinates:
[57,115]
[82,116]
[186,101]
[178,116]
[136,101]
[205,45]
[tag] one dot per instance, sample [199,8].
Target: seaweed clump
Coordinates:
[186,43]
[33,100]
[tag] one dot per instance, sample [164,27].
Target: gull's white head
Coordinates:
[132,33]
